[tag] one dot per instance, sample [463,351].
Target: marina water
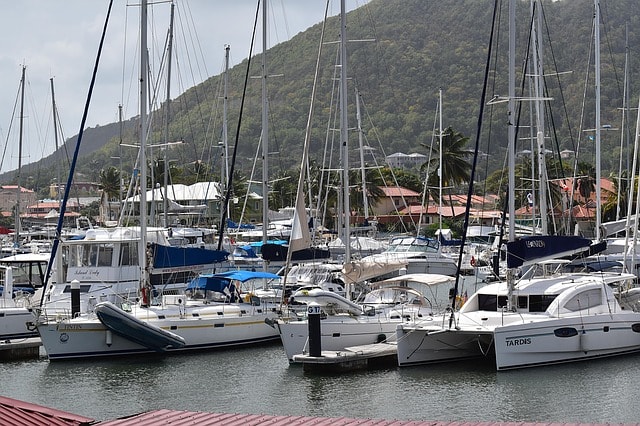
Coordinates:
[259,380]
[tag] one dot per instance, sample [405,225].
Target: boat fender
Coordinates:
[473,261]
[381,338]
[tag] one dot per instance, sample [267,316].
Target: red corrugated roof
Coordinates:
[398,191]
[15,412]
[180,418]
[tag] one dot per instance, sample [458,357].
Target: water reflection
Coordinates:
[260,381]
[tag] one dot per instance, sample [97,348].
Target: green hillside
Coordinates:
[417,47]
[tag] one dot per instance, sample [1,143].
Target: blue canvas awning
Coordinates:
[218,282]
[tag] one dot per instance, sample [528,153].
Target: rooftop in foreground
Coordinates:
[13,411]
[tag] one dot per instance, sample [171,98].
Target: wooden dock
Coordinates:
[11,350]
[375,355]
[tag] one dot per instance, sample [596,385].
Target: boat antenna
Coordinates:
[475,160]
[67,188]
[227,195]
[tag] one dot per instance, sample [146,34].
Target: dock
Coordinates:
[362,357]
[11,350]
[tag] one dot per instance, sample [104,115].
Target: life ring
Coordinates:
[473,261]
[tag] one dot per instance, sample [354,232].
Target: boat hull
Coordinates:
[14,323]
[566,340]
[202,328]
[433,343]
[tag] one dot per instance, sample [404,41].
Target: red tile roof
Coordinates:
[15,412]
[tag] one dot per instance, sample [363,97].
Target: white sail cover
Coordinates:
[300,236]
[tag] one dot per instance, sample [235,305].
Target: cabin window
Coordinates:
[522,302]
[105,255]
[128,254]
[90,255]
[540,302]
[487,302]
[502,301]
[584,300]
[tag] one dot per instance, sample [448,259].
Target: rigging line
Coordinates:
[13,114]
[475,160]
[223,215]
[63,205]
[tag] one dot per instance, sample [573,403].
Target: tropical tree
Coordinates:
[456,169]
[373,183]
[585,184]
[109,181]
[618,198]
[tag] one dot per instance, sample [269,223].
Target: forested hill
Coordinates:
[401,52]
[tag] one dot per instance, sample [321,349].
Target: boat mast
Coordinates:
[225,178]
[511,143]
[344,135]
[539,107]
[55,138]
[363,171]
[265,129]
[142,250]
[512,119]
[598,130]
[165,201]
[18,224]
[440,165]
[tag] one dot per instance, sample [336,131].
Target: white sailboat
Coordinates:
[346,323]
[214,314]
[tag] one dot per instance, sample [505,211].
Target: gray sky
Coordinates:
[59,39]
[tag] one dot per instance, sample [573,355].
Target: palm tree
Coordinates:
[586,183]
[374,184]
[109,180]
[456,169]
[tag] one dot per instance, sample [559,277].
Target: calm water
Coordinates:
[260,381]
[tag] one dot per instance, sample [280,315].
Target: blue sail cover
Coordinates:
[531,249]
[171,257]
[218,282]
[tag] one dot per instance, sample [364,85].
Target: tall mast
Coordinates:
[142,251]
[265,128]
[363,170]
[598,130]
[512,119]
[18,224]
[120,129]
[344,135]
[225,178]
[539,106]
[55,137]
[165,202]
[440,165]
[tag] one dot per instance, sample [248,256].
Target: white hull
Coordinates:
[353,325]
[13,323]
[433,342]
[202,327]
[566,340]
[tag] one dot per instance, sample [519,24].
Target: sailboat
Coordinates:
[346,322]
[216,312]
[530,321]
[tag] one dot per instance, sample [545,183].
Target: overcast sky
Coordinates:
[59,39]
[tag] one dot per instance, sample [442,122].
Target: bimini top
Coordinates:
[218,282]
